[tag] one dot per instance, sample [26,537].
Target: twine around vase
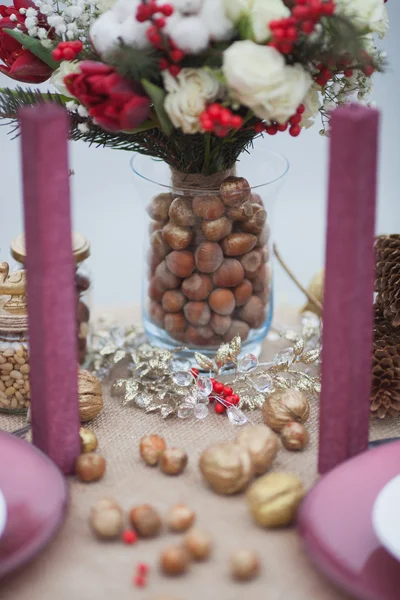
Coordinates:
[197,181]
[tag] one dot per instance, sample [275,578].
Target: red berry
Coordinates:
[194,372]
[143,13]
[279,33]
[177,55]
[272,129]
[160,22]
[273,45]
[274,24]
[282,126]
[300,109]
[285,47]
[236,122]
[227,391]
[327,8]
[57,54]
[68,54]
[77,45]
[174,70]
[214,111]
[235,399]
[219,408]
[348,72]
[225,116]
[368,70]
[164,64]
[207,123]
[139,581]
[142,568]
[295,130]
[301,12]
[259,127]
[291,34]
[221,131]
[166,9]
[229,400]
[153,36]
[129,537]
[63,45]
[307,26]
[327,73]
[153,7]
[218,387]
[295,120]
[301,2]
[320,79]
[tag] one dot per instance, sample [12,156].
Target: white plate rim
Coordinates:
[382,516]
[3,513]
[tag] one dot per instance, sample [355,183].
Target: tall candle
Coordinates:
[51,284]
[349,285]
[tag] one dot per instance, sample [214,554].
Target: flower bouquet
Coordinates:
[193,82]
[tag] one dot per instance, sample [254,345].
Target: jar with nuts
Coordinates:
[83,287]
[208,271]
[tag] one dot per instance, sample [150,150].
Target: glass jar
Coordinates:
[208,274]
[14,351]
[83,285]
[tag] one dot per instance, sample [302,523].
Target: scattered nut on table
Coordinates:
[199,543]
[294,436]
[180,517]
[89,441]
[106,519]
[151,448]
[90,467]
[173,461]
[174,560]
[90,396]
[227,467]
[262,444]
[245,565]
[146,520]
[283,406]
[274,499]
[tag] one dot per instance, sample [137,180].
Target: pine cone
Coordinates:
[385,391]
[387,283]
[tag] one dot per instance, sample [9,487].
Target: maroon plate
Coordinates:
[335,523]
[36,496]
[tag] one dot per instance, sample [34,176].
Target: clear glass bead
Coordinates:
[285,356]
[201,399]
[248,363]
[179,364]
[264,383]
[201,411]
[236,416]
[185,411]
[204,386]
[182,378]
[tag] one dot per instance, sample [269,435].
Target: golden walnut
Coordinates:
[274,499]
[90,396]
[89,441]
[262,444]
[283,406]
[227,467]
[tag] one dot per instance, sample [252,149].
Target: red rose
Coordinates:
[19,63]
[116,103]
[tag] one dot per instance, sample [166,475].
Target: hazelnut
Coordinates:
[273,499]
[251,262]
[253,312]
[263,237]
[90,467]
[229,274]
[156,313]
[234,191]
[145,520]
[220,324]
[156,226]
[197,287]
[174,560]
[208,207]
[227,467]
[180,517]
[264,295]
[173,461]
[208,257]
[245,565]
[106,519]
[181,213]
[89,441]
[156,289]
[199,336]
[175,323]
[197,313]
[159,246]
[180,263]
[257,221]
[236,244]
[151,448]
[241,213]
[152,261]
[173,301]
[237,328]
[178,238]
[222,301]
[165,277]
[284,406]
[198,543]
[159,207]
[262,444]
[256,199]
[243,292]
[217,229]
[294,436]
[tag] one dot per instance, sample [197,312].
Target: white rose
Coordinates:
[260,79]
[312,104]
[57,77]
[187,96]
[261,13]
[367,13]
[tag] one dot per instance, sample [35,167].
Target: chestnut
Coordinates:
[217,229]
[197,313]
[220,323]
[243,292]
[173,301]
[238,243]
[253,312]
[175,323]
[237,328]
[159,206]
[165,277]
[251,262]
[157,313]
[234,191]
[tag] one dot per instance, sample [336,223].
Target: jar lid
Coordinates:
[13,307]
[80,248]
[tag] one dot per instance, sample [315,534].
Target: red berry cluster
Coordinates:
[140,579]
[67,50]
[293,124]
[223,396]
[220,120]
[305,14]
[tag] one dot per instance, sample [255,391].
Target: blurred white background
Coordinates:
[108,209]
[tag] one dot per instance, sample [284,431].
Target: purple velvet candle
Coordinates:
[51,288]
[349,285]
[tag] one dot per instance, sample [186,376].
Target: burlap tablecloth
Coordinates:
[75,566]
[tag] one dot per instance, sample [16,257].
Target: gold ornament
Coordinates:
[262,444]
[227,467]
[90,396]
[274,499]
[294,436]
[284,406]
[89,441]
[316,290]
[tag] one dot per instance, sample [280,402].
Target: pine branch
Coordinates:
[11,100]
[136,64]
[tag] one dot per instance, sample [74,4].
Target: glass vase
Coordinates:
[208,273]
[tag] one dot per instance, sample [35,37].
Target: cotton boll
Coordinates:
[104,33]
[190,34]
[187,6]
[218,25]
[133,33]
[124,9]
